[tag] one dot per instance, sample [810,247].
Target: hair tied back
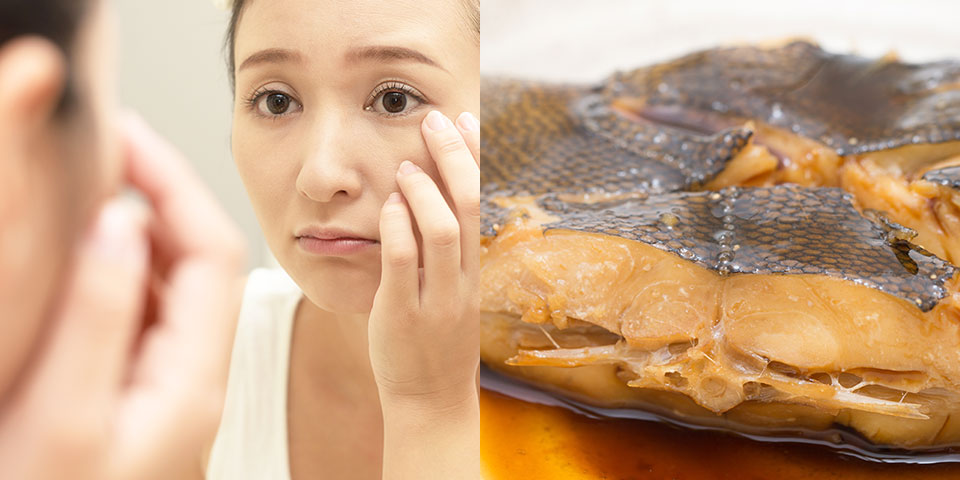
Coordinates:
[225,5]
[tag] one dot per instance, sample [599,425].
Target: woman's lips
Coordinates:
[335,246]
[333,242]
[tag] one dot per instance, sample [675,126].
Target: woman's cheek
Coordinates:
[257,161]
[407,143]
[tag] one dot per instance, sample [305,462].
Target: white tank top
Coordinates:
[252,440]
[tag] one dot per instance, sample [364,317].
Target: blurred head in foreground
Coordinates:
[58,155]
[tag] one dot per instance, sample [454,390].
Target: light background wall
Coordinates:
[586,40]
[172,70]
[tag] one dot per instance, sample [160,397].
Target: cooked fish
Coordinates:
[755,237]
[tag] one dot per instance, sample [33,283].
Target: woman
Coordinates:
[98,379]
[343,137]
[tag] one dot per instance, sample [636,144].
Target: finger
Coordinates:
[188,216]
[461,175]
[399,256]
[204,254]
[453,156]
[173,410]
[439,232]
[86,358]
[469,127]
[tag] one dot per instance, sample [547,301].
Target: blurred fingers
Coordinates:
[188,219]
[86,359]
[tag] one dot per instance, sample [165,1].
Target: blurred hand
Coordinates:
[129,383]
[424,325]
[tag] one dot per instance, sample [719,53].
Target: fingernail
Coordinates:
[408,167]
[114,234]
[437,121]
[468,122]
[393,198]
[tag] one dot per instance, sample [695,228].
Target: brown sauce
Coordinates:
[526,436]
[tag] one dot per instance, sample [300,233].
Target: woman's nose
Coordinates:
[329,168]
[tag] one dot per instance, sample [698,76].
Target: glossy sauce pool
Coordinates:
[526,438]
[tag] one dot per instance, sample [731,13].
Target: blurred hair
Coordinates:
[56,20]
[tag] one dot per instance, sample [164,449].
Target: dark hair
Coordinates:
[56,20]
[231,42]
[472,16]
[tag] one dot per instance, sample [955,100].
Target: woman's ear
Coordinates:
[33,74]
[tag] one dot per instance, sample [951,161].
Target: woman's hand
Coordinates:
[131,378]
[424,326]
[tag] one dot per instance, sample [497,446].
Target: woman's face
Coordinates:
[330,95]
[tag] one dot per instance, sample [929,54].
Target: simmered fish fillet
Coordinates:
[755,237]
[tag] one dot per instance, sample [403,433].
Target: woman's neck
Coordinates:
[334,419]
[334,349]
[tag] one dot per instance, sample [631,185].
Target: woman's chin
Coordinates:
[337,287]
[341,307]
[342,299]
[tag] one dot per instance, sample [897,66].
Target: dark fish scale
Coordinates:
[554,152]
[697,157]
[662,130]
[852,104]
[830,239]
[490,215]
[949,177]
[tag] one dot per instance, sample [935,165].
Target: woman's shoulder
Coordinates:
[254,414]
[270,300]
[261,345]
[269,295]
[267,283]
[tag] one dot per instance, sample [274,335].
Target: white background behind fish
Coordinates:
[585,41]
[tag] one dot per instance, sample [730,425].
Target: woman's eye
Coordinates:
[393,102]
[277,104]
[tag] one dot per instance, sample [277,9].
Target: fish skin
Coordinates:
[547,141]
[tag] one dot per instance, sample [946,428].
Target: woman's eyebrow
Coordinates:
[390,54]
[271,55]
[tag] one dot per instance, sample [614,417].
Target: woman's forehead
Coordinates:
[324,30]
